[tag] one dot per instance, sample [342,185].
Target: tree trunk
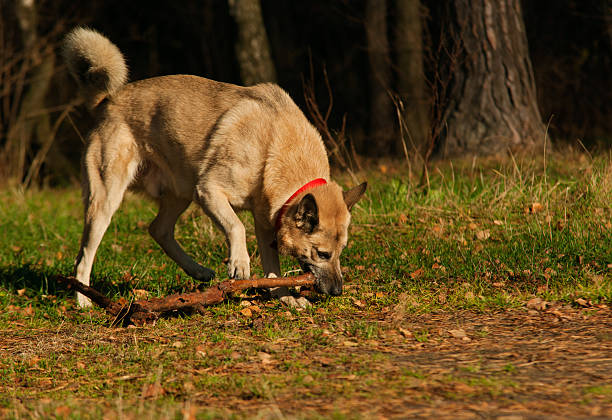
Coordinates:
[31,127]
[252,46]
[382,136]
[608,19]
[492,108]
[411,78]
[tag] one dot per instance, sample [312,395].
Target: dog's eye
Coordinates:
[324,255]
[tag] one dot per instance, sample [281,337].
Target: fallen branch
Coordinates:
[141,312]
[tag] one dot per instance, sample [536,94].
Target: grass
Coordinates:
[484,236]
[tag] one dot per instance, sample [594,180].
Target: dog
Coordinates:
[184,139]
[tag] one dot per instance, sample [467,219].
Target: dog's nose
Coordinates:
[336,290]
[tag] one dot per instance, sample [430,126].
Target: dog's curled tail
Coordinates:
[96,64]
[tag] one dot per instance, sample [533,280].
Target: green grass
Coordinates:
[484,236]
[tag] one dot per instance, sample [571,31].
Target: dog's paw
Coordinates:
[299,303]
[83,301]
[203,274]
[238,269]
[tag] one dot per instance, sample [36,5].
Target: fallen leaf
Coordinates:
[246,312]
[460,333]
[582,302]
[152,391]
[417,273]
[201,350]
[437,230]
[265,358]
[534,208]
[404,332]
[537,304]
[483,235]
[178,344]
[402,219]
[307,379]
[437,266]
[62,411]
[358,303]
[324,361]
[140,293]
[498,222]
[21,292]
[350,344]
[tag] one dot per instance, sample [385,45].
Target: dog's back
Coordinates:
[184,125]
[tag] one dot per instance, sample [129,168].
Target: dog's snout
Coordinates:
[336,290]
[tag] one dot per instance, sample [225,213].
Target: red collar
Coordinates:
[283,209]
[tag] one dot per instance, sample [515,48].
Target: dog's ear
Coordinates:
[354,194]
[307,214]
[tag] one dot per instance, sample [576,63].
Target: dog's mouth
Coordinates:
[322,284]
[306,268]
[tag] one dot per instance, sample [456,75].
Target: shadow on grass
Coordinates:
[42,281]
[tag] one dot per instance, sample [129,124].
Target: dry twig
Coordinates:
[141,312]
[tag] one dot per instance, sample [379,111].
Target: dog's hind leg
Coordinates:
[162,230]
[104,183]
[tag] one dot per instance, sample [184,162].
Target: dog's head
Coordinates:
[315,231]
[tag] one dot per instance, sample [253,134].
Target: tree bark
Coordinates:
[492,108]
[252,46]
[411,78]
[382,135]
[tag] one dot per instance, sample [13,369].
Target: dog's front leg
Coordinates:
[216,205]
[269,255]
[271,265]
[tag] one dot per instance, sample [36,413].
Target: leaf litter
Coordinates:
[543,359]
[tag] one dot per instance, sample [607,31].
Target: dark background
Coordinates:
[570,44]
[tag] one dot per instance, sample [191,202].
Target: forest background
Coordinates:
[405,79]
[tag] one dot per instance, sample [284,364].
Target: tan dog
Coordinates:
[185,138]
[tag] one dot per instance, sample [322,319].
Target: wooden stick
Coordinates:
[146,311]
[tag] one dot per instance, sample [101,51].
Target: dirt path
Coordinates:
[530,363]
[518,364]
